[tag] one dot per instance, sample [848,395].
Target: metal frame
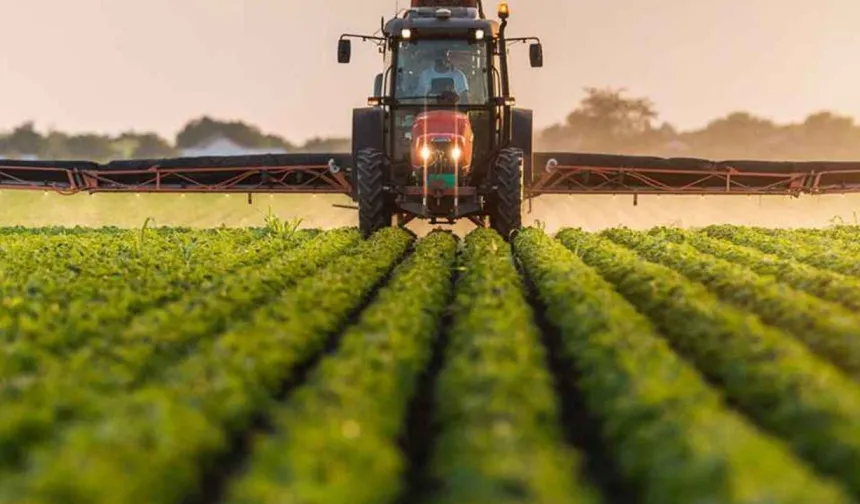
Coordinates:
[557,178]
[32,178]
[264,179]
[819,182]
[720,178]
[563,180]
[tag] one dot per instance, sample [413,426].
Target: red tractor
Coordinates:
[441,139]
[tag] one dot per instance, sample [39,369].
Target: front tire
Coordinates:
[373,211]
[506,211]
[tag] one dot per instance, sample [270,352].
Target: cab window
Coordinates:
[430,70]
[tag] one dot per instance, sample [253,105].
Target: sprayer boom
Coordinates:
[554,173]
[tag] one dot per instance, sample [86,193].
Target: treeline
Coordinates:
[608,121]
[605,120]
[25,141]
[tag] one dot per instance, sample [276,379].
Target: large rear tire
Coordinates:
[373,211]
[506,211]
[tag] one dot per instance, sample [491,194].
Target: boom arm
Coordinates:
[555,173]
[276,173]
[571,173]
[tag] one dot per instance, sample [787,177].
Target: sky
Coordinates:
[113,65]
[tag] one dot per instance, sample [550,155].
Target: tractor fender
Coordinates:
[522,137]
[368,132]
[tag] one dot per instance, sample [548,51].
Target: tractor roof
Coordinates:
[442,21]
[445,3]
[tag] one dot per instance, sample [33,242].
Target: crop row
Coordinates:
[827,328]
[61,389]
[24,255]
[336,438]
[155,443]
[770,375]
[81,316]
[496,411]
[843,233]
[243,366]
[29,263]
[669,432]
[788,247]
[825,284]
[830,238]
[114,231]
[61,310]
[57,317]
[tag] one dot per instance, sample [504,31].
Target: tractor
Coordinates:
[441,138]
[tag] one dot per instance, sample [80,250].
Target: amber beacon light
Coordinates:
[504,10]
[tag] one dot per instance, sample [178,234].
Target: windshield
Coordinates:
[442,71]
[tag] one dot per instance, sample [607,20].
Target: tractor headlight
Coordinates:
[426,153]
[456,153]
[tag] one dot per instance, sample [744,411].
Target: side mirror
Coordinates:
[536,55]
[344,51]
[377,85]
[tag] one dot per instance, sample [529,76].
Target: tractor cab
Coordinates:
[440,116]
[440,92]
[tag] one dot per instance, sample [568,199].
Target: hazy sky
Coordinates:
[111,65]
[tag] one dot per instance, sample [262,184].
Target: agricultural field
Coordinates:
[286,365]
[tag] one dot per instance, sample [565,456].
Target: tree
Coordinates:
[25,140]
[145,146]
[825,135]
[201,130]
[55,146]
[153,146]
[611,114]
[738,135]
[606,121]
[91,147]
[333,145]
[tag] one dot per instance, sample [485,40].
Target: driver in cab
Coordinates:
[442,71]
